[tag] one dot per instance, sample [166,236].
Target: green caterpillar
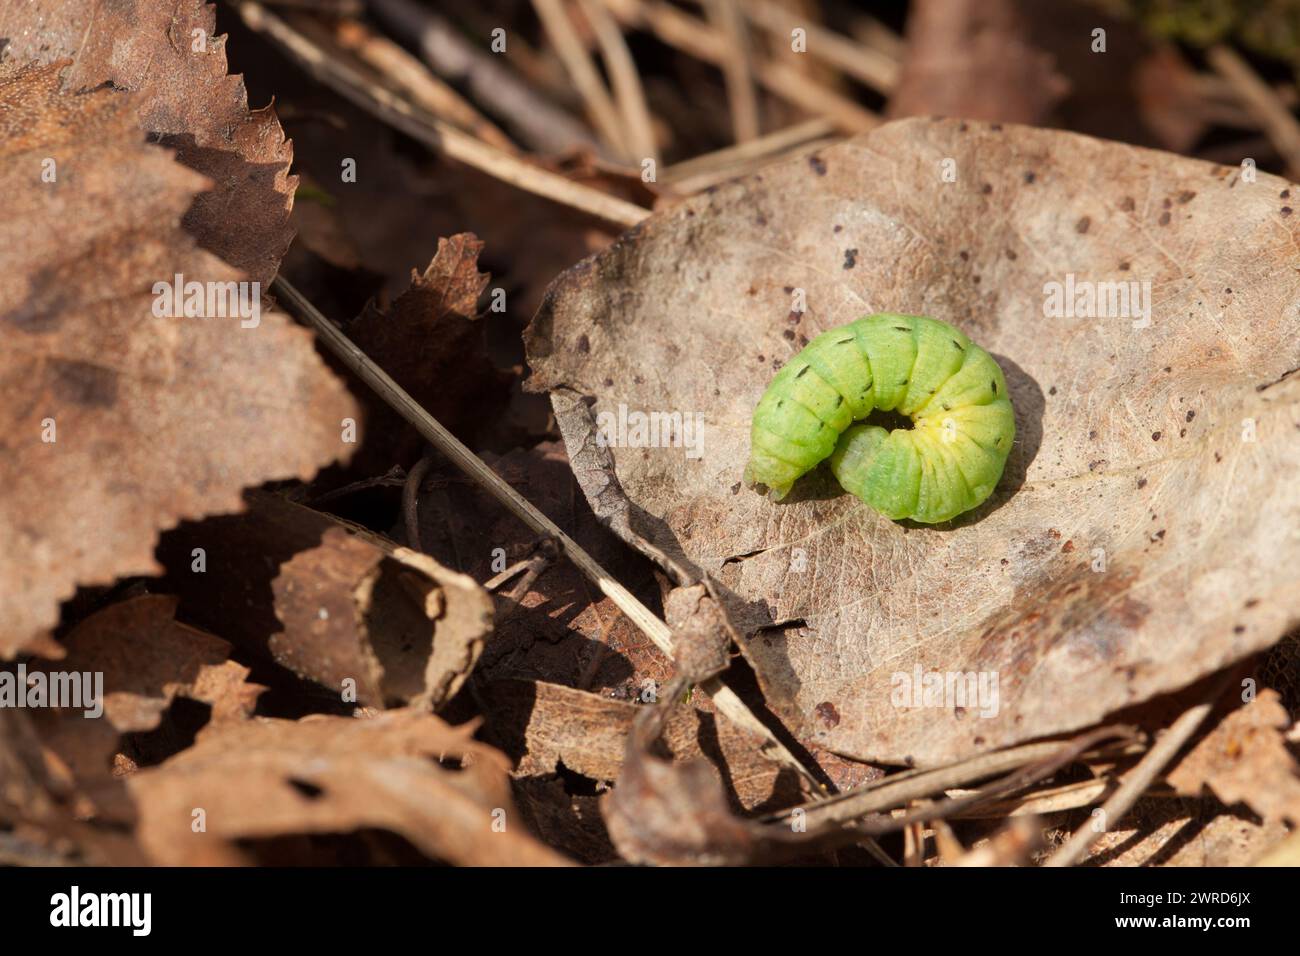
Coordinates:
[951,389]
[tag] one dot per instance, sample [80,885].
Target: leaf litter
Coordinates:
[369,658]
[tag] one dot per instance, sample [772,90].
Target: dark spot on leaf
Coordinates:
[307,789]
[828,714]
[1082,225]
[83,383]
[818,164]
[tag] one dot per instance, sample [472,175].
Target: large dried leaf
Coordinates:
[168,54]
[267,778]
[154,419]
[145,660]
[1168,451]
[331,602]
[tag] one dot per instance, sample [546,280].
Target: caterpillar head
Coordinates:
[766,480]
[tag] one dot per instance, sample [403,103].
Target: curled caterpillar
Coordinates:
[953,391]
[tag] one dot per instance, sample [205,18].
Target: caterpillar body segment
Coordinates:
[953,391]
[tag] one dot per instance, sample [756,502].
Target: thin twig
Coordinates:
[736,71]
[728,161]
[586,79]
[695,37]
[1261,101]
[1137,781]
[899,789]
[494,582]
[638,129]
[536,121]
[874,35]
[411,500]
[541,559]
[415,80]
[390,480]
[728,703]
[864,63]
[433,132]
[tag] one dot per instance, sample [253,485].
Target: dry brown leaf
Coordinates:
[147,659]
[1245,760]
[568,822]
[431,342]
[332,602]
[268,778]
[1162,450]
[155,419]
[38,807]
[670,813]
[168,55]
[135,660]
[543,726]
